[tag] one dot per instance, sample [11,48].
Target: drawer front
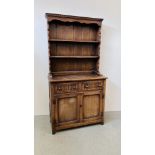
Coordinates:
[66,87]
[92,85]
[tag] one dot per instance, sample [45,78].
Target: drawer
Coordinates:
[92,85]
[66,87]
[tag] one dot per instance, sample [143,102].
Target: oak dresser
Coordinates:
[76,87]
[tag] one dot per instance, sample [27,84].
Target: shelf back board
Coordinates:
[59,65]
[72,49]
[72,31]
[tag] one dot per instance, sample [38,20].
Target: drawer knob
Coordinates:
[86,85]
[99,84]
[73,87]
[59,88]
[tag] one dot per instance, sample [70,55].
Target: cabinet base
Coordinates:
[77,125]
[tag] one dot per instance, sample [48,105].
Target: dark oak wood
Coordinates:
[76,87]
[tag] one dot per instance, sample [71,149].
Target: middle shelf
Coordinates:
[74,56]
[73,41]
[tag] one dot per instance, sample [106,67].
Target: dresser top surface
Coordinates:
[61,78]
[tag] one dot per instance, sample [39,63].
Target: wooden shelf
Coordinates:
[74,57]
[73,41]
[58,78]
[74,72]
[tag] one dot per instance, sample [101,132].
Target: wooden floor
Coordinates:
[91,140]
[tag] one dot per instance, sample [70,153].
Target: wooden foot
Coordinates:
[53,132]
[102,123]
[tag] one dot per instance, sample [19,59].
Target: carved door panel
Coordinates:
[66,109]
[92,105]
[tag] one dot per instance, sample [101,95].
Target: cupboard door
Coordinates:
[66,109]
[92,105]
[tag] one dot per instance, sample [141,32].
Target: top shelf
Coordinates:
[73,41]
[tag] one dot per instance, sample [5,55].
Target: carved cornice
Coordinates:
[70,18]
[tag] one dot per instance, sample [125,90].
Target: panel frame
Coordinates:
[100,113]
[62,96]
